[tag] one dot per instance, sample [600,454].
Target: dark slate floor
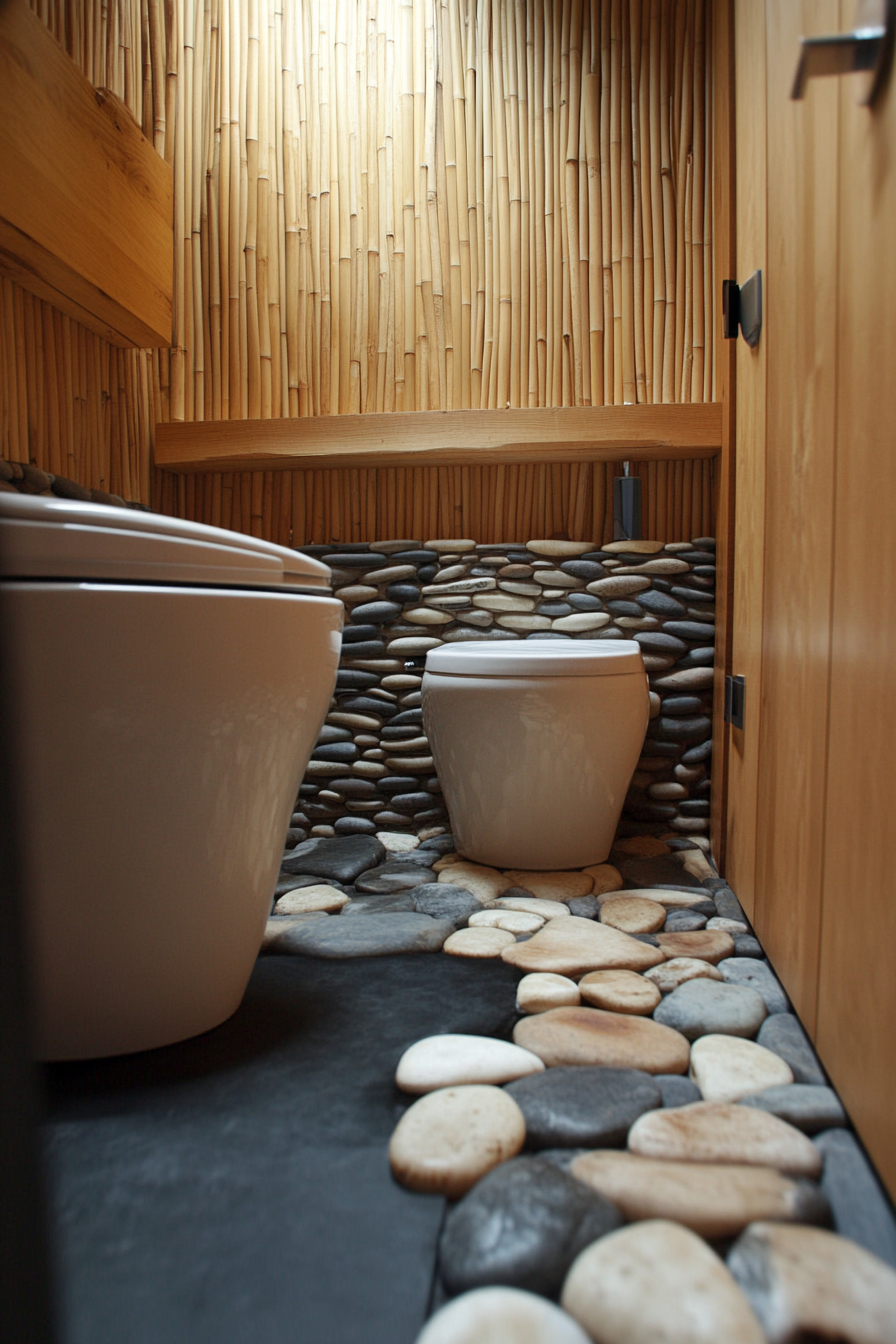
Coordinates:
[235,1188]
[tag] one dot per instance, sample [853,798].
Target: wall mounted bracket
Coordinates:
[742,308]
[735,697]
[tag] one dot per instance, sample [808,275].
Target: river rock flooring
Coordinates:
[657,1154]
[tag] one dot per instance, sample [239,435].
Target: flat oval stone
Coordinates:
[619,992]
[522,1224]
[657,1283]
[713,1131]
[582,1106]
[533,906]
[397,875]
[479,942]
[307,899]
[806,1283]
[341,858]
[514,921]
[784,1036]
[565,549]
[448,1139]
[712,1199]
[684,921]
[542,990]
[701,1007]
[441,900]
[807,1107]
[623,586]
[452,1060]
[551,886]
[704,945]
[726,1068]
[679,971]
[757,975]
[633,914]
[574,946]
[485,883]
[604,877]
[370,935]
[508,1315]
[590,1036]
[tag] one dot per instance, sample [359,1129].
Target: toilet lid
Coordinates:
[538,658]
[42,538]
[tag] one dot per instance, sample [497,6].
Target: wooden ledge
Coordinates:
[442,438]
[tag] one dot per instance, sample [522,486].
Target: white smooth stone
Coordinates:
[514,921]
[677,970]
[542,990]
[726,925]
[657,1283]
[455,1060]
[582,620]
[501,1316]
[712,1131]
[451,1137]
[478,942]
[503,602]
[399,842]
[534,906]
[305,900]
[726,1068]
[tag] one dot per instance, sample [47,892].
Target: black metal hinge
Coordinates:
[735,696]
[742,309]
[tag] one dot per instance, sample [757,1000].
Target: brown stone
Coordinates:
[633,914]
[712,1131]
[482,882]
[604,877]
[620,992]
[670,900]
[478,942]
[450,1138]
[712,945]
[679,970]
[712,1199]
[550,886]
[574,1036]
[641,846]
[574,946]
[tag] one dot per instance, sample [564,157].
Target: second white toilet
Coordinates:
[535,743]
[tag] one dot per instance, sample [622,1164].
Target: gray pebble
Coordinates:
[757,975]
[586,907]
[522,1225]
[677,1090]
[586,1106]
[372,936]
[684,921]
[342,858]
[397,875]
[391,903]
[809,1107]
[745,945]
[701,1007]
[728,906]
[444,901]
[784,1036]
[861,1210]
[442,844]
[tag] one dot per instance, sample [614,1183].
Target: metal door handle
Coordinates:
[867,49]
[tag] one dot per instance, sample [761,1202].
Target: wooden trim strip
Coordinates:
[443,438]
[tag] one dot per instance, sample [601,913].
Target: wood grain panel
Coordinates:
[857,990]
[86,213]
[447,438]
[800,297]
[746,622]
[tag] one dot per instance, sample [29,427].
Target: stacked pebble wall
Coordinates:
[372,767]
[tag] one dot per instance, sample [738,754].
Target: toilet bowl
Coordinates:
[168,681]
[535,743]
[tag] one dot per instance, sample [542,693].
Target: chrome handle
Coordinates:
[867,49]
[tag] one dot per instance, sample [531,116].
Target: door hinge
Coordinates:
[735,696]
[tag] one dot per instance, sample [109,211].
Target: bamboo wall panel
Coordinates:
[421,204]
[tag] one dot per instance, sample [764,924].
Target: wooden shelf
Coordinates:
[442,438]
[86,203]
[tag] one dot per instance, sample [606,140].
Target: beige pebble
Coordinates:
[713,1131]
[574,946]
[604,877]
[565,549]
[541,991]
[478,942]
[589,1036]
[695,862]
[505,602]
[447,547]
[523,621]
[806,1283]
[533,906]
[633,547]
[483,883]
[306,899]
[726,1068]
[583,620]
[369,769]
[358,721]
[501,1316]
[633,914]
[356,592]
[712,1199]
[450,1138]
[414,765]
[642,846]
[727,925]
[550,886]
[514,921]
[670,900]
[662,566]
[399,842]
[657,1283]
[428,616]
[680,969]
[619,992]
[452,1060]
[713,945]
[446,861]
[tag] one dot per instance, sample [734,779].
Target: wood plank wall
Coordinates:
[410,206]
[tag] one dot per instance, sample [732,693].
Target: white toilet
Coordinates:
[535,743]
[168,683]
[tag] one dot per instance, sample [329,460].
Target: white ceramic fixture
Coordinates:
[168,684]
[535,743]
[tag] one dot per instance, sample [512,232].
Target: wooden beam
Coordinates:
[86,203]
[442,438]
